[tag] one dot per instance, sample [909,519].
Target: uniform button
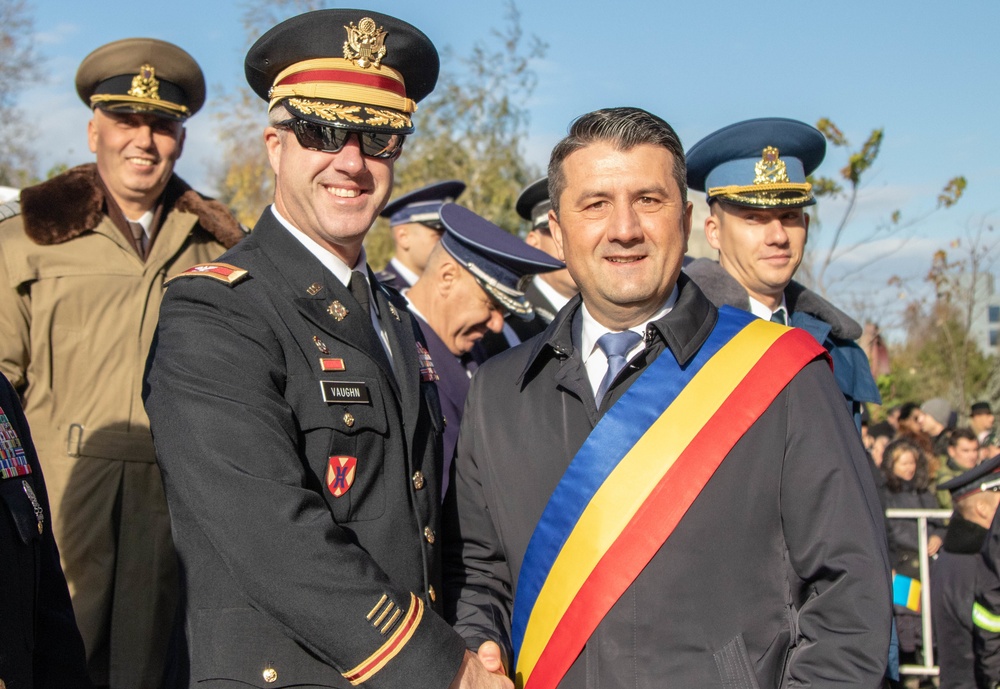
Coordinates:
[270,675]
[432,593]
[429,534]
[348,419]
[418,480]
[444,421]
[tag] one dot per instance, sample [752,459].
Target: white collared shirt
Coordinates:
[758,309]
[594,359]
[342,272]
[408,276]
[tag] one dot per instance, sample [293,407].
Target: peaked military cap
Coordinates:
[347,68]
[978,479]
[533,204]
[760,163]
[497,259]
[423,205]
[142,75]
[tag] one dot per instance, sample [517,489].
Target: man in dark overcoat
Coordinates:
[726,542]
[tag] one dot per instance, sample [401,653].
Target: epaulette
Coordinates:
[223,272]
[10,209]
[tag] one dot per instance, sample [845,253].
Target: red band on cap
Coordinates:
[344,76]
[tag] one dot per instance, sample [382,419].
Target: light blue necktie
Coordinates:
[615,346]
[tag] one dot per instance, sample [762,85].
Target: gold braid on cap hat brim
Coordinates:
[509,298]
[146,103]
[764,194]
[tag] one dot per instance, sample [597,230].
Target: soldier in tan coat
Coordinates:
[83,259]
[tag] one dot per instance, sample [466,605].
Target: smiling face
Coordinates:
[135,156]
[333,198]
[760,247]
[622,229]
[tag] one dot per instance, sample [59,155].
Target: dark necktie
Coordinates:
[139,234]
[779,317]
[359,288]
[615,346]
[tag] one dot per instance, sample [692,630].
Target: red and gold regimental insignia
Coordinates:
[340,474]
[337,310]
[223,272]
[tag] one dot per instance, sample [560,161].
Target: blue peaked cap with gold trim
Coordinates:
[423,205]
[761,163]
[497,259]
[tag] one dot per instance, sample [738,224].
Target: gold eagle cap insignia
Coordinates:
[365,44]
[145,84]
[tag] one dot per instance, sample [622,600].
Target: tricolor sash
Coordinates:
[635,477]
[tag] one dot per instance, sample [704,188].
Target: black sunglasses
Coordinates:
[330,139]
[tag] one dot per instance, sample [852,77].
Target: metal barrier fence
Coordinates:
[929,668]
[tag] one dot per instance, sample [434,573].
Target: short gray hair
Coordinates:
[625,128]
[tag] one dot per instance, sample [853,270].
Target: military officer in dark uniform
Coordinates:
[953,573]
[292,400]
[754,175]
[470,283]
[40,645]
[546,292]
[415,219]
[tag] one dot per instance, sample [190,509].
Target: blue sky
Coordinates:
[923,71]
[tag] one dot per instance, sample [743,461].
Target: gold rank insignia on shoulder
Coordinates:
[145,84]
[365,44]
[223,272]
[337,310]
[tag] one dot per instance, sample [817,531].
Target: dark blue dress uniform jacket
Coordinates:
[777,575]
[40,646]
[285,583]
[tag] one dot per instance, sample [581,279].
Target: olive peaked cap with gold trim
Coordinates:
[761,163]
[347,68]
[142,75]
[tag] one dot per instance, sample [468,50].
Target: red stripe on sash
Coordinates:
[667,504]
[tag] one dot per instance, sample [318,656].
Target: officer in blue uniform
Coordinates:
[472,281]
[953,572]
[40,645]
[546,292]
[415,220]
[292,400]
[754,175]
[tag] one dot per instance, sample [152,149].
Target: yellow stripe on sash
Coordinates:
[630,484]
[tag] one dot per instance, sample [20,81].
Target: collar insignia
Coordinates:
[365,44]
[337,310]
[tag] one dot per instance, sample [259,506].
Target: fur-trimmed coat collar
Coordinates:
[721,288]
[72,203]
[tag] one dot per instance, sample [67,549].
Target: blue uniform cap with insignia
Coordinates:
[978,479]
[423,205]
[760,163]
[497,259]
[533,204]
